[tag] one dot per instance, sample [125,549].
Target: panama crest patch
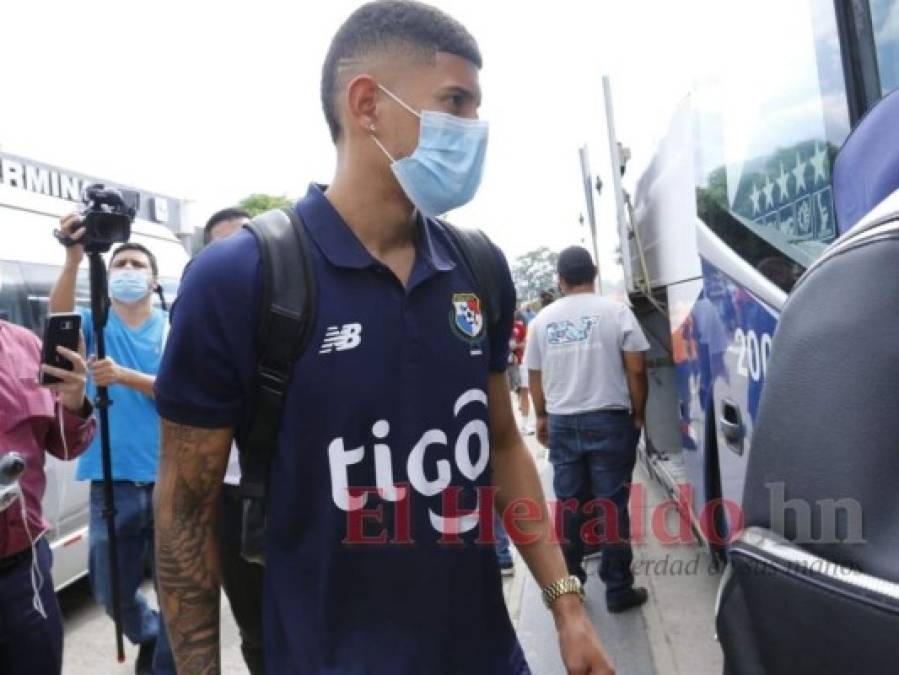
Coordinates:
[466,316]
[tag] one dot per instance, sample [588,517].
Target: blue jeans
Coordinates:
[503,554]
[593,456]
[134,536]
[29,643]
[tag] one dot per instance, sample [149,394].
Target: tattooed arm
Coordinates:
[191,469]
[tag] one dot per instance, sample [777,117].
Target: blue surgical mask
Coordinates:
[129,286]
[445,170]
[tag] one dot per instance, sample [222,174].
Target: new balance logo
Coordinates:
[340,339]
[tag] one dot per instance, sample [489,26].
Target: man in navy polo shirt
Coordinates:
[377,560]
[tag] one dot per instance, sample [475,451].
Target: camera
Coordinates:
[107,218]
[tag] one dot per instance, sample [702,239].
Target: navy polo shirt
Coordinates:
[372,561]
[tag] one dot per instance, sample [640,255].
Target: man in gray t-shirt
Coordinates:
[585,357]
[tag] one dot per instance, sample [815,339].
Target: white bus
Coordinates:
[734,206]
[30,262]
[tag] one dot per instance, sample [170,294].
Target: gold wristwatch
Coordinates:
[564,586]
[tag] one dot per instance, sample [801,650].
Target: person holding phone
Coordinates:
[135,333]
[34,420]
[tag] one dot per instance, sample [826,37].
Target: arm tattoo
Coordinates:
[192,463]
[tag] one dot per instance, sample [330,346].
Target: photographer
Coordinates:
[33,420]
[134,333]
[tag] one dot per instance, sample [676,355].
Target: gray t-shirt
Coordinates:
[576,343]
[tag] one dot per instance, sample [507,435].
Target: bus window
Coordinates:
[39,281]
[885,20]
[13,303]
[769,124]
[169,289]
[83,290]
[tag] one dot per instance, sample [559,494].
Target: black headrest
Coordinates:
[827,432]
[866,169]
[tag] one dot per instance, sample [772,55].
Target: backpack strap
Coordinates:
[286,320]
[479,257]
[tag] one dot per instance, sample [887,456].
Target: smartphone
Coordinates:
[59,330]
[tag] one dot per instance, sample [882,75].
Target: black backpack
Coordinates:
[286,323]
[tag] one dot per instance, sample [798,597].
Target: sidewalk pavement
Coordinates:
[90,639]
[672,634]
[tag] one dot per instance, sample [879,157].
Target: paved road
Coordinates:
[671,635]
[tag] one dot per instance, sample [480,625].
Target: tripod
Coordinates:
[99,313]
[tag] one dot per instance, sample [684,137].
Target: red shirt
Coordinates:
[519,337]
[29,426]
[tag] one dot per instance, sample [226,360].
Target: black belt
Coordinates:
[231,491]
[604,411]
[11,561]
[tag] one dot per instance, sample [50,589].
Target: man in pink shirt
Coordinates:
[34,420]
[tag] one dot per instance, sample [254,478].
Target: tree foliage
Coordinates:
[259,203]
[533,272]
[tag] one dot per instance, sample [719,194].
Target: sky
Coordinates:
[211,102]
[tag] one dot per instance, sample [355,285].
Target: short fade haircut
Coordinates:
[140,248]
[386,24]
[220,217]
[576,266]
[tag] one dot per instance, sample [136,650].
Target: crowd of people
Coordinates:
[405,402]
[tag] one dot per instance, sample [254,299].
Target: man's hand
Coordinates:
[105,372]
[71,389]
[582,652]
[637,384]
[62,297]
[543,430]
[71,225]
